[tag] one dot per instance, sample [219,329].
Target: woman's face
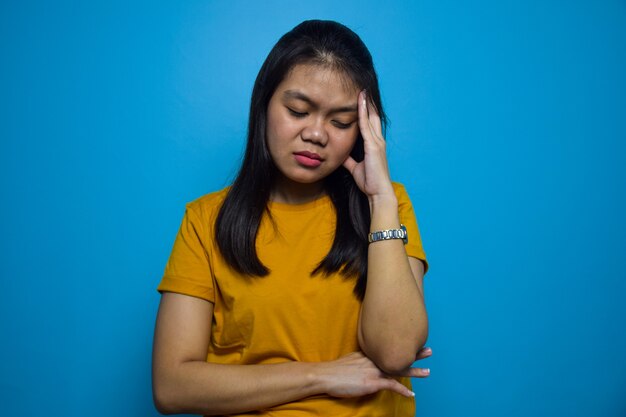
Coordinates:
[312,125]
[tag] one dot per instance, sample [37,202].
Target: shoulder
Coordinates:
[207,206]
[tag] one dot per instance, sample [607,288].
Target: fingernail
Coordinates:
[426,370]
[411,393]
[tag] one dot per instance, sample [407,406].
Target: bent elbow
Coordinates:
[399,358]
[396,363]
[163,398]
[394,355]
[161,404]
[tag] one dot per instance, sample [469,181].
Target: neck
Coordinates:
[288,192]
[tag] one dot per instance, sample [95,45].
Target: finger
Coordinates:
[395,386]
[374,118]
[350,164]
[412,373]
[418,373]
[364,123]
[424,352]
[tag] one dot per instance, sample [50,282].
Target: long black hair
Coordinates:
[319,42]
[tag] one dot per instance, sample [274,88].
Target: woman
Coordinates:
[292,292]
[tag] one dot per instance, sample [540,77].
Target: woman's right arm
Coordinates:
[183,382]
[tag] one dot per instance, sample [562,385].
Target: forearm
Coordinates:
[393,324]
[199,387]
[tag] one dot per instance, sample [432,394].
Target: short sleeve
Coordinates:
[414,247]
[188,270]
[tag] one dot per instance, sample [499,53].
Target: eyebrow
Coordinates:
[293,94]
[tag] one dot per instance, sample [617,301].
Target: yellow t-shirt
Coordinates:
[288,315]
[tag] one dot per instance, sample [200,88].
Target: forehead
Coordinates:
[320,83]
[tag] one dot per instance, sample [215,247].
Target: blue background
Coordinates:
[508,129]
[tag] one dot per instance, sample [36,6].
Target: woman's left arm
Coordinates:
[393,325]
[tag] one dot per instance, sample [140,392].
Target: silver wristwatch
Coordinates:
[389,234]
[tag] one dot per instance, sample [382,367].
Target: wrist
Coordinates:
[315,378]
[387,199]
[384,213]
[383,206]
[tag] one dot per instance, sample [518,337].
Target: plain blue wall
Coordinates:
[508,129]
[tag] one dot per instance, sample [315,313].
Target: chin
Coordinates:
[303,178]
[306,181]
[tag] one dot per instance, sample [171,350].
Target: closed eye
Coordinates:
[337,124]
[342,125]
[295,113]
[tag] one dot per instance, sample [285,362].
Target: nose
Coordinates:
[315,132]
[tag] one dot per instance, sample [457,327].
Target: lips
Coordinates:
[308,159]
[309,155]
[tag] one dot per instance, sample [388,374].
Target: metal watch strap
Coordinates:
[389,234]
